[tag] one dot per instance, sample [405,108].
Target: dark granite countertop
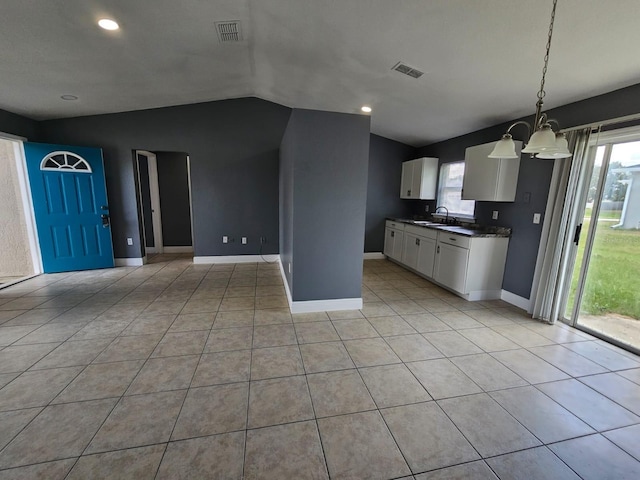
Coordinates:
[466,229]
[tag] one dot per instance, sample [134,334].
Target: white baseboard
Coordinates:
[129,262]
[478,295]
[182,249]
[235,259]
[374,256]
[310,306]
[286,283]
[516,300]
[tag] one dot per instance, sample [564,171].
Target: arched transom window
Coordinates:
[61,161]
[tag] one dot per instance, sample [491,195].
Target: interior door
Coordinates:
[70,206]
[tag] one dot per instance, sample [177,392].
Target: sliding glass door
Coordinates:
[604,294]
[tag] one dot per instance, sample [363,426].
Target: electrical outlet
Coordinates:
[426,208]
[225,239]
[129,241]
[494,215]
[536,218]
[244,240]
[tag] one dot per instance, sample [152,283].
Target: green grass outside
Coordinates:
[613,278]
[609,214]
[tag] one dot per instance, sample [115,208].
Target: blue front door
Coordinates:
[70,204]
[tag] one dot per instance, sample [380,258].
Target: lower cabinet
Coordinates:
[419,249]
[472,267]
[410,250]
[451,269]
[393,240]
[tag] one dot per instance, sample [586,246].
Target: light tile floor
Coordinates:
[174,370]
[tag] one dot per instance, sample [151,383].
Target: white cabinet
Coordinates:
[419,179]
[490,179]
[452,264]
[410,250]
[471,266]
[426,256]
[393,240]
[419,249]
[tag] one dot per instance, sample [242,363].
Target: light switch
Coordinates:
[495,215]
[536,218]
[129,241]
[244,240]
[225,239]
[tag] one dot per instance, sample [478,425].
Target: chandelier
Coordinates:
[544,143]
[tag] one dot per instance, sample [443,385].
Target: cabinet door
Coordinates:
[426,170]
[407,179]
[388,241]
[398,243]
[426,256]
[410,251]
[451,269]
[416,180]
[489,179]
[480,177]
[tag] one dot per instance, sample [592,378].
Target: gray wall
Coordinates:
[233,146]
[145,200]
[383,188]
[534,178]
[329,155]
[175,208]
[19,125]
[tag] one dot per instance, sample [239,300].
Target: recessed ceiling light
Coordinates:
[366,109]
[108,24]
[68,97]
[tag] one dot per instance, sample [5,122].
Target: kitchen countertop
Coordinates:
[468,230]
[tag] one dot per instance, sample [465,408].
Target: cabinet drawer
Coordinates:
[421,231]
[453,239]
[395,225]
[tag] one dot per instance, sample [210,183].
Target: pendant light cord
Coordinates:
[541,92]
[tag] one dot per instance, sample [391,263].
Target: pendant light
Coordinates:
[544,143]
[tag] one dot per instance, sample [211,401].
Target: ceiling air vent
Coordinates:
[229,32]
[407,70]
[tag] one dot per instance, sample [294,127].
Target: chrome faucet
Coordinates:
[446,210]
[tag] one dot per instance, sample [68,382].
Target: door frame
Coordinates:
[606,139]
[27,200]
[154,192]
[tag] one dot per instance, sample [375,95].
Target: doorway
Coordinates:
[164,186]
[20,254]
[603,297]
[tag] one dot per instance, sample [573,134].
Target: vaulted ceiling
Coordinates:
[481,59]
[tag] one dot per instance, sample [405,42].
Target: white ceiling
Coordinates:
[482,59]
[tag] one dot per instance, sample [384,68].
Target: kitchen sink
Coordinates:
[426,223]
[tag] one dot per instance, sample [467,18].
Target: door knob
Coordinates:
[105,220]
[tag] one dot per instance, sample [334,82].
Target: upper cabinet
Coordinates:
[419,178]
[490,179]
